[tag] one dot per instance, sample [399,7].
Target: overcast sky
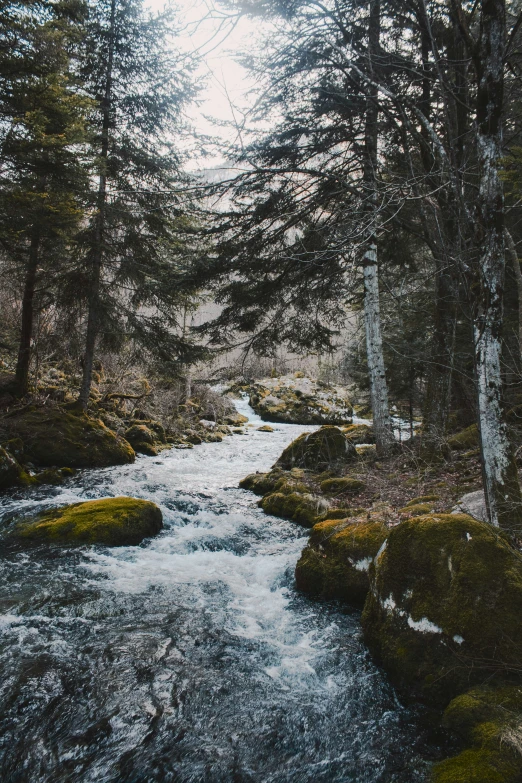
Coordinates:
[227,82]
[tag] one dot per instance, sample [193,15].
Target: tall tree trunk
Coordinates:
[382,422]
[96,255]
[24,350]
[501,486]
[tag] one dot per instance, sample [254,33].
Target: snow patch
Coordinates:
[424,625]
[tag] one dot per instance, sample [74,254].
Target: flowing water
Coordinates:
[190,658]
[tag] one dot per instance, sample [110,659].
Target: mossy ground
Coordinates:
[117,521]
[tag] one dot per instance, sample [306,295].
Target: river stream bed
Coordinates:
[191,658]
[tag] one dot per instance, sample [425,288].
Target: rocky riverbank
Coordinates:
[44,438]
[441,592]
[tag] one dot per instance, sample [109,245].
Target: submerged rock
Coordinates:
[444,609]
[53,436]
[489,722]
[295,399]
[120,521]
[328,447]
[336,562]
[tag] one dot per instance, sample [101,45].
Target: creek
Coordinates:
[190,658]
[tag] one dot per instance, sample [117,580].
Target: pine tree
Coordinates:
[43,129]
[139,236]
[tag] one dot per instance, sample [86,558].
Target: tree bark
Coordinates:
[501,486]
[382,422]
[24,350]
[93,317]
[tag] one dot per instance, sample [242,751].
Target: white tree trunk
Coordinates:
[501,486]
[382,422]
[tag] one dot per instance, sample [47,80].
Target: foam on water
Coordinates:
[190,657]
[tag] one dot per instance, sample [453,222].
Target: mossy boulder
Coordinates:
[489,721]
[342,486]
[120,521]
[359,433]
[465,440]
[263,483]
[265,428]
[296,506]
[336,562]
[53,436]
[324,448]
[300,400]
[142,439]
[445,605]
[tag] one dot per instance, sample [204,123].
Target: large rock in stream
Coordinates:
[120,521]
[54,436]
[445,606]
[325,448]
[295,399]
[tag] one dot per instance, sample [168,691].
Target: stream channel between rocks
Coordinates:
[190,658]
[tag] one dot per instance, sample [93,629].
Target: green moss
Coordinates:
[489,720]
[416,509]
[301,508]
[117,521]
[337,560]
[477,766]
[261,483]
[324,448]
[444,609]
[139,433]
[53,436]
[342,486]
[422,499]
[265,428]
[340,513]
[466,439]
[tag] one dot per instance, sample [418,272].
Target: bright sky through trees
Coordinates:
[220,40]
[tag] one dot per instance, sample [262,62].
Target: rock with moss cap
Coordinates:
[300,507]
[120,521]
[444,608]
[300,400]
[489,722]
[54,436]
[324,448]
[337,560]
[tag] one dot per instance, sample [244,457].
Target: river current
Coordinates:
[191,658]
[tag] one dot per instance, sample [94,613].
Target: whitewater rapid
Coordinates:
[190,658]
